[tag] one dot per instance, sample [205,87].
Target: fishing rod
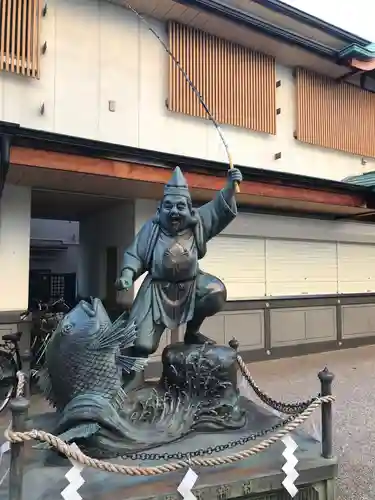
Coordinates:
[188,79]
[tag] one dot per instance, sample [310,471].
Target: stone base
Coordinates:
[258,478]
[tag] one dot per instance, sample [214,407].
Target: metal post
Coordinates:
[4,159]
[326,378]
[234,344]
[26,358]
[19,408]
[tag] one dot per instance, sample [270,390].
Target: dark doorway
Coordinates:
[111,275]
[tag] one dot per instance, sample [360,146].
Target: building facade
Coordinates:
[95,114]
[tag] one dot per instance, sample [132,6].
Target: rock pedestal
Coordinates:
[206,375]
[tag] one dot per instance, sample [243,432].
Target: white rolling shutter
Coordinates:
[356,268]
[296,267]
[240,263]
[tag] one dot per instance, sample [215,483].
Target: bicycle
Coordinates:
[10,364]
[48,317]
[10,356]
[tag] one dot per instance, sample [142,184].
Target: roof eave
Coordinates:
[310,20]
[39,139]
[240,16]
[355,51]
[244,18]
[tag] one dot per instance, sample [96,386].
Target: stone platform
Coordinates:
[258,477]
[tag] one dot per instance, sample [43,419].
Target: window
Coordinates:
[19,36]
[236,83]
[335,115]
[253,267]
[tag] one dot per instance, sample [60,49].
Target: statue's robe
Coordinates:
[168,293]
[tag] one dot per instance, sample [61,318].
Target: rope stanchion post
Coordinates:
[326,379]
[26,358]
[19,408]
[234,344]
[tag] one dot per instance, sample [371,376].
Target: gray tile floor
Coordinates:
[354,409]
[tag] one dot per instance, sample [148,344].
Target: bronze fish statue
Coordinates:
[82,377]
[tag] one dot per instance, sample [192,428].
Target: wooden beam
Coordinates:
[363,65]
[133,171]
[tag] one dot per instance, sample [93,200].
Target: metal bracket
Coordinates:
[4,160]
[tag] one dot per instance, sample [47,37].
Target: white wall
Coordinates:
[118,59]
[15,208]
[143,211]
[253,267]
[58,230]
[113,227]
[61,262]
[266,255]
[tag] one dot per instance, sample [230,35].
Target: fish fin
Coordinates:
[79,432]
[45,385]
[119,399]
[129,364]
[121,332]
[129,334]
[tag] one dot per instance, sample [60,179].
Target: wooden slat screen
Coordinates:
[237,84]
[335,115]
[19,36]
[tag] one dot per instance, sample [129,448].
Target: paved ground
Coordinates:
[354,409]
[354,415]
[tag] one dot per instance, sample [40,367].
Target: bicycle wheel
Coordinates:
[8,378]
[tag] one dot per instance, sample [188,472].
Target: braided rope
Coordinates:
[21,382]
[287,408]
[78,456]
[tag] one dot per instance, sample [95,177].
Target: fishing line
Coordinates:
[187,78]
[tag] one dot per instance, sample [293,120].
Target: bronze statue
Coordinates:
[175,291]
[109,415]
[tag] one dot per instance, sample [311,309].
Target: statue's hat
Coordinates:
[177,184]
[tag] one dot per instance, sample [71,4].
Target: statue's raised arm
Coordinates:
[218,213]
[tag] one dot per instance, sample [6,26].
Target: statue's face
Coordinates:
[175,214]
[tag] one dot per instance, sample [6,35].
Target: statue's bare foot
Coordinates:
[197,338]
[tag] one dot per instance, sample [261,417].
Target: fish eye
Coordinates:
[67,328]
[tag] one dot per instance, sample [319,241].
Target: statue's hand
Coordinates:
[234,176]
[125,281]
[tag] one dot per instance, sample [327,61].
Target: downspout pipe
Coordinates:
[5,141]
